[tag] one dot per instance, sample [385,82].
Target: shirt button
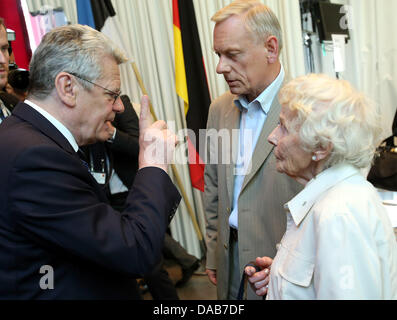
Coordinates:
[225,245]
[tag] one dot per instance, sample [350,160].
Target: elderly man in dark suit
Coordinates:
[59,238]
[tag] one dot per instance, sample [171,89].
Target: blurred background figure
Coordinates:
[4,67]
[14,82]
[18,83]
[114,164]
[383,173]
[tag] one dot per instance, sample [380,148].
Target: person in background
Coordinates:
[18,83]
[59,237]
[243,200]
[16,88]
[5,104]
[114,164]
[124,149]
[339,242]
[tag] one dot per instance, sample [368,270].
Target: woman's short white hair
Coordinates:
[75,49]
[259,19]
[332,111]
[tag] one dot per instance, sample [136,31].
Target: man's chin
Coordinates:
[102,136]
[235,90]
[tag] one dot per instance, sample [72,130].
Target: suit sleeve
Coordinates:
[211,199]
[56,203]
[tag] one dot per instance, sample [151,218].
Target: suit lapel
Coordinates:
[27,113]
[263,147]
[232,121]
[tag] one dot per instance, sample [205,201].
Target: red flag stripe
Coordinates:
[175,14]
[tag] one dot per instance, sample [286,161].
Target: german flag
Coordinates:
[191,82]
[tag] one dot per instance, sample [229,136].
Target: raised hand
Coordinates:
[156,142]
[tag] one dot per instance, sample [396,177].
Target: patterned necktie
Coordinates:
[83,159]
[3,111]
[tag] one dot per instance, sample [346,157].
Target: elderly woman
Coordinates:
[339,243]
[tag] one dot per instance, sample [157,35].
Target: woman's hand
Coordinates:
[259,280]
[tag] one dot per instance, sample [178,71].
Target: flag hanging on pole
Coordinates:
[94,13]
[100,15]
[191,83]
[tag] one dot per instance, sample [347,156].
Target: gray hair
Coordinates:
[259,19]
[332,111]
[75,49]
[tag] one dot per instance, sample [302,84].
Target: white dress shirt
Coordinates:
[339,242]
[56,123]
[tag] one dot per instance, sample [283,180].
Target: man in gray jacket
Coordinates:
[244,195]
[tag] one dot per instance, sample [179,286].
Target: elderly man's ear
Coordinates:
[272,49]
[66,88]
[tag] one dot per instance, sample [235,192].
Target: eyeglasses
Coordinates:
[113,94]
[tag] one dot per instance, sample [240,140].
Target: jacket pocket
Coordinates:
[296,269]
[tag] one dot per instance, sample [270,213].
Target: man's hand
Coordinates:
[156,142]
[211,275]
[259,280]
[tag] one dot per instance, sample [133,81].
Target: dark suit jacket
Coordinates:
[52,212]
[9,100]
[125,148]
[122,154]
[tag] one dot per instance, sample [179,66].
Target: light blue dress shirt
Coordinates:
[253,116]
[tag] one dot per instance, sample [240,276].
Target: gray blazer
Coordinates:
[261,219]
